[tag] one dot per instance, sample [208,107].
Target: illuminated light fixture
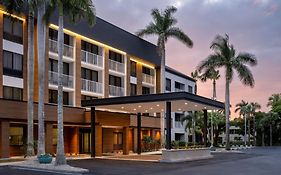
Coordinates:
[12,15]
[179,109]
[151,108]
[53,26]
[205,107]
[146,110]
[122,107]
[195,105]
[158,105]
[185,103]
[162,109]
[146,65]
[139,106]
[135,109]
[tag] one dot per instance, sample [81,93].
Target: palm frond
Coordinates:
[150,29]
[212,61]
[247,58]
[244,74]
[180,35]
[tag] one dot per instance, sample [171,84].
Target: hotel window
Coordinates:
[55,136]
[115,81]
[53,66]
[168,84]
[117,138]
[92,48]
[116,56]
[53,35]
[16,136]
[190,89]
[179,86]
[13,29]
[145,90]
[89,74]
[12,93]
[53,97]
[133,89]
[133,66]
[147,70]
[12,64]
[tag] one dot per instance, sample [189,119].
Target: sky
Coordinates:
[253,26]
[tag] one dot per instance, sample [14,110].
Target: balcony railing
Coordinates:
[116,66]
[91,86]
[116,91]
[67,80]
[67,50]
[178,124]
[148,78]
[179,90]
[91,58]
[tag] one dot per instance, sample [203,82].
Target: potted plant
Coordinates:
[45,158]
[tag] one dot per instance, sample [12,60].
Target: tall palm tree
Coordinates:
[195,76]
[75,10]
[16,6]
[243,108]
[274,98]
[188,119]
[163,26]
[254,106]
[225,56]
[271,118]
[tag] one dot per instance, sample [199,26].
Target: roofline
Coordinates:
[178,73]
[153,98]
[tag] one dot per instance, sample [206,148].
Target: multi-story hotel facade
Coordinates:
[98,62]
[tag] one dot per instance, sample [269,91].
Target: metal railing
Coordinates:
[116,91]
[67,80]
[116,66]
[91,58]
[179,90]
[67,50]
[91,86]
[147,78]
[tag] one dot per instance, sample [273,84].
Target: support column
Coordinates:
[139,132]
[135,142]
[93,131]
[125,140]
[106,73]
[1,55]
[205,127]
[4,139]
[168,125]
[49,138]
[98,140]
[74,141]
[77,71]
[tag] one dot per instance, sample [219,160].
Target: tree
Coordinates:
[225,57]
[244,110]
[16,6]
[75,10]
[189,120]
[273,99]
[271,118]
[163,26]
[253,107]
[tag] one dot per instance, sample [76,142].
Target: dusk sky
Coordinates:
[254,26]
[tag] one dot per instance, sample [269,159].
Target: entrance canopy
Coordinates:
[180,101]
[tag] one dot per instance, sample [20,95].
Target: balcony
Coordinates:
[116,91]
[67,80]
[178,124]
[67,50]
[91,86]
[148,79]
[91,58]
[116,66]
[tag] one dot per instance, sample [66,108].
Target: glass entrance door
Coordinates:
[85,141]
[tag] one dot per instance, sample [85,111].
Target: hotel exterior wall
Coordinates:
[146,122]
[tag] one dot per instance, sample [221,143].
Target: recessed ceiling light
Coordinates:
[179,109]
[151,108]
[162,109]
[205,107]
[145,110]
[185,103]
[158,105]
[139,106]
[195,105]
[135,109]
[122,107]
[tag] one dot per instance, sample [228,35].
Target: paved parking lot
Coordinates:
[254,162]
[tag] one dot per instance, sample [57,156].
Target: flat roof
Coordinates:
[181,101]
[178,73]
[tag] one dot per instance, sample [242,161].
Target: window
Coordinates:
[53,35]
[115,81]
[16,136]
[86,97]
[53,97]
[190,89]
[53,66]
[133,89]
[89,74]
[168,84]
[12,93]
[117,138]
[133,69]
[55,136]
[13,64]
[116,56]
[145,90]
[89,47]
[147,70]
[179,86]
[13,29]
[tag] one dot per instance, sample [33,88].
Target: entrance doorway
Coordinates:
[85,141]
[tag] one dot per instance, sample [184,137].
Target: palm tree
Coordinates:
[163,26]
[195,75]
[253,107]
[17,6]
[225,56]
[243,109]
[188,119]
[75,10]
[273,99]
[271,118]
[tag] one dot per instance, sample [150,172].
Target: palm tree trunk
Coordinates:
[193,128]
[163,85]
[214,90]
[254,129]
[262,137]
[41,71]
[270,137]
[245,130]
[227,147]
[249,132]
[60,157]
[30,136]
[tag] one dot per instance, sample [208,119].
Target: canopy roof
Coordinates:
[180,101]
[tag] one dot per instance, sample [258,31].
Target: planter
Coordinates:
[181,155]
[45,159]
